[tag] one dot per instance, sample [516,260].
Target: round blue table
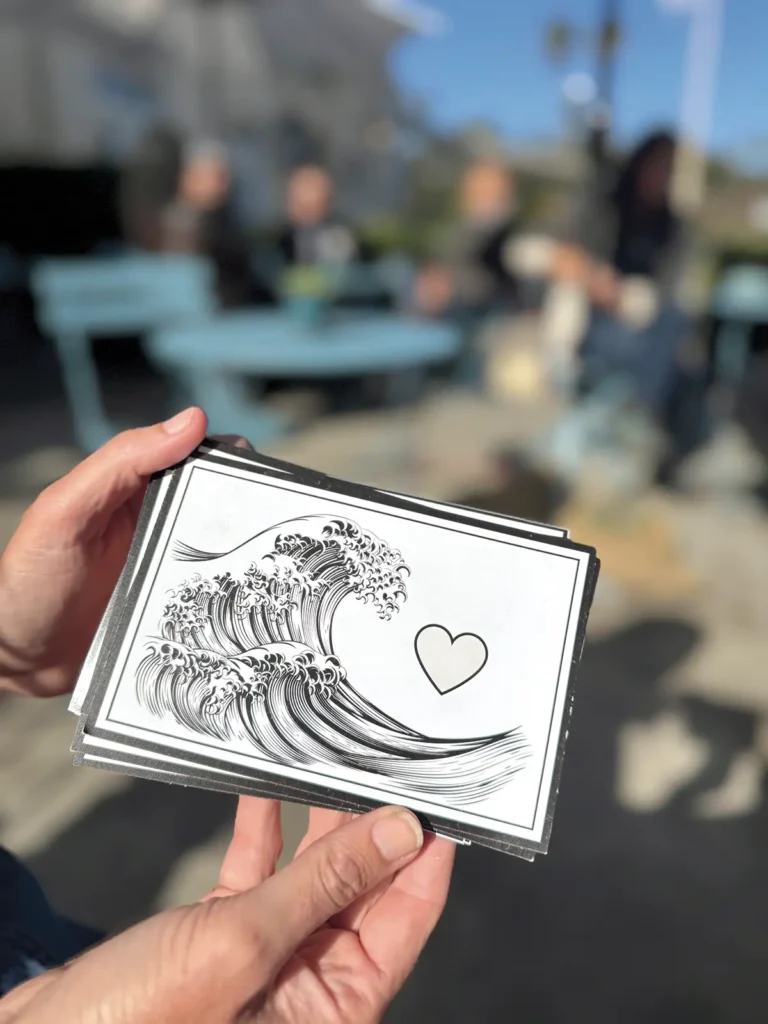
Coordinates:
[212,358]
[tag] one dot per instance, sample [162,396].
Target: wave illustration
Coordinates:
[251,657]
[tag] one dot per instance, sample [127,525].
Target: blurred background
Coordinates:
[510,255]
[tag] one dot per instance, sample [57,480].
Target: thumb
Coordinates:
[117,471]
[17,1000]
[328,877]
[217,960]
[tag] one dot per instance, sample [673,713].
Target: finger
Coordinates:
[112,475]
[351,919]
[321,822]
[19,998]
[395,930]
[329,876]
[255,849]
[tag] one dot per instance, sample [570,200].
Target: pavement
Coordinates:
[652,905]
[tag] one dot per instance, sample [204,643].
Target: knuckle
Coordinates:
[206,928]
[226,940]
[343,875]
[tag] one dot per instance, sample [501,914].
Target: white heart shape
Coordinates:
[447,661]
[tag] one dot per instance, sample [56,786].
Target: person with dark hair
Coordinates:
[313,234]
[149,183]
[629,264]
[638,248]
[199,220]
[473,277]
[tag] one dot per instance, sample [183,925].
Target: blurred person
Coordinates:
[330,938]
[199,220]
[614,323]
[149,183]
[473,274]
[313,234]
[474,278]
[632,273]
[312,243]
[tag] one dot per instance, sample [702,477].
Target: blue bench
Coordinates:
[82,299]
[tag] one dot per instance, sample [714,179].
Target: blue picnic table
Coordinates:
[215,359]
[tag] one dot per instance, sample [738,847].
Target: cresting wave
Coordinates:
[251,657]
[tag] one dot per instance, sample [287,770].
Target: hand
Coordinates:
[570,264]
[604,286]
[62,564]
[328,940]
[434,291]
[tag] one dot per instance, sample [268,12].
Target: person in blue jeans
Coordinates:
[633,235]
[331,938]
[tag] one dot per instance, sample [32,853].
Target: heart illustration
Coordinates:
[447,661]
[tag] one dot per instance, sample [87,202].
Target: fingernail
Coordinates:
[178,422]
[397,835]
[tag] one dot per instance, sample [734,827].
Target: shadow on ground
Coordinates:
[638,919]
[108,869]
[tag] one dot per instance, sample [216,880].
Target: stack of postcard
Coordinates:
[281,633]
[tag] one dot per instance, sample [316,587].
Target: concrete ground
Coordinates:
[653,902]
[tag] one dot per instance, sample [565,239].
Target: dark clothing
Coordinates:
[33,937]
[647,357]
[752,405]
[148,184]
[329,242]
[213,234]
[475,254]
[651,244]
[635,241]
[332,245]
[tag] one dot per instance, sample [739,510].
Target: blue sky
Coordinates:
[490,63]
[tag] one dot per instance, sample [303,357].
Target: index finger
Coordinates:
[255,849]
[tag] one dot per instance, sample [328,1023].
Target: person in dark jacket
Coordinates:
[313,234]
[200,221]
[473,277]
[638,249]
[472,274]
[149,183]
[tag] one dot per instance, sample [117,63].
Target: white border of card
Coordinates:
[432,777]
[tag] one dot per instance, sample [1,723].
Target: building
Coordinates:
[276,80]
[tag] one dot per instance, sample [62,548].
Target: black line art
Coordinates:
[246,653]
[440,658]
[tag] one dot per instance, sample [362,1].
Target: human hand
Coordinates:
[328,940]
[63,562]
[604,286]
[570,264]
[434,291]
